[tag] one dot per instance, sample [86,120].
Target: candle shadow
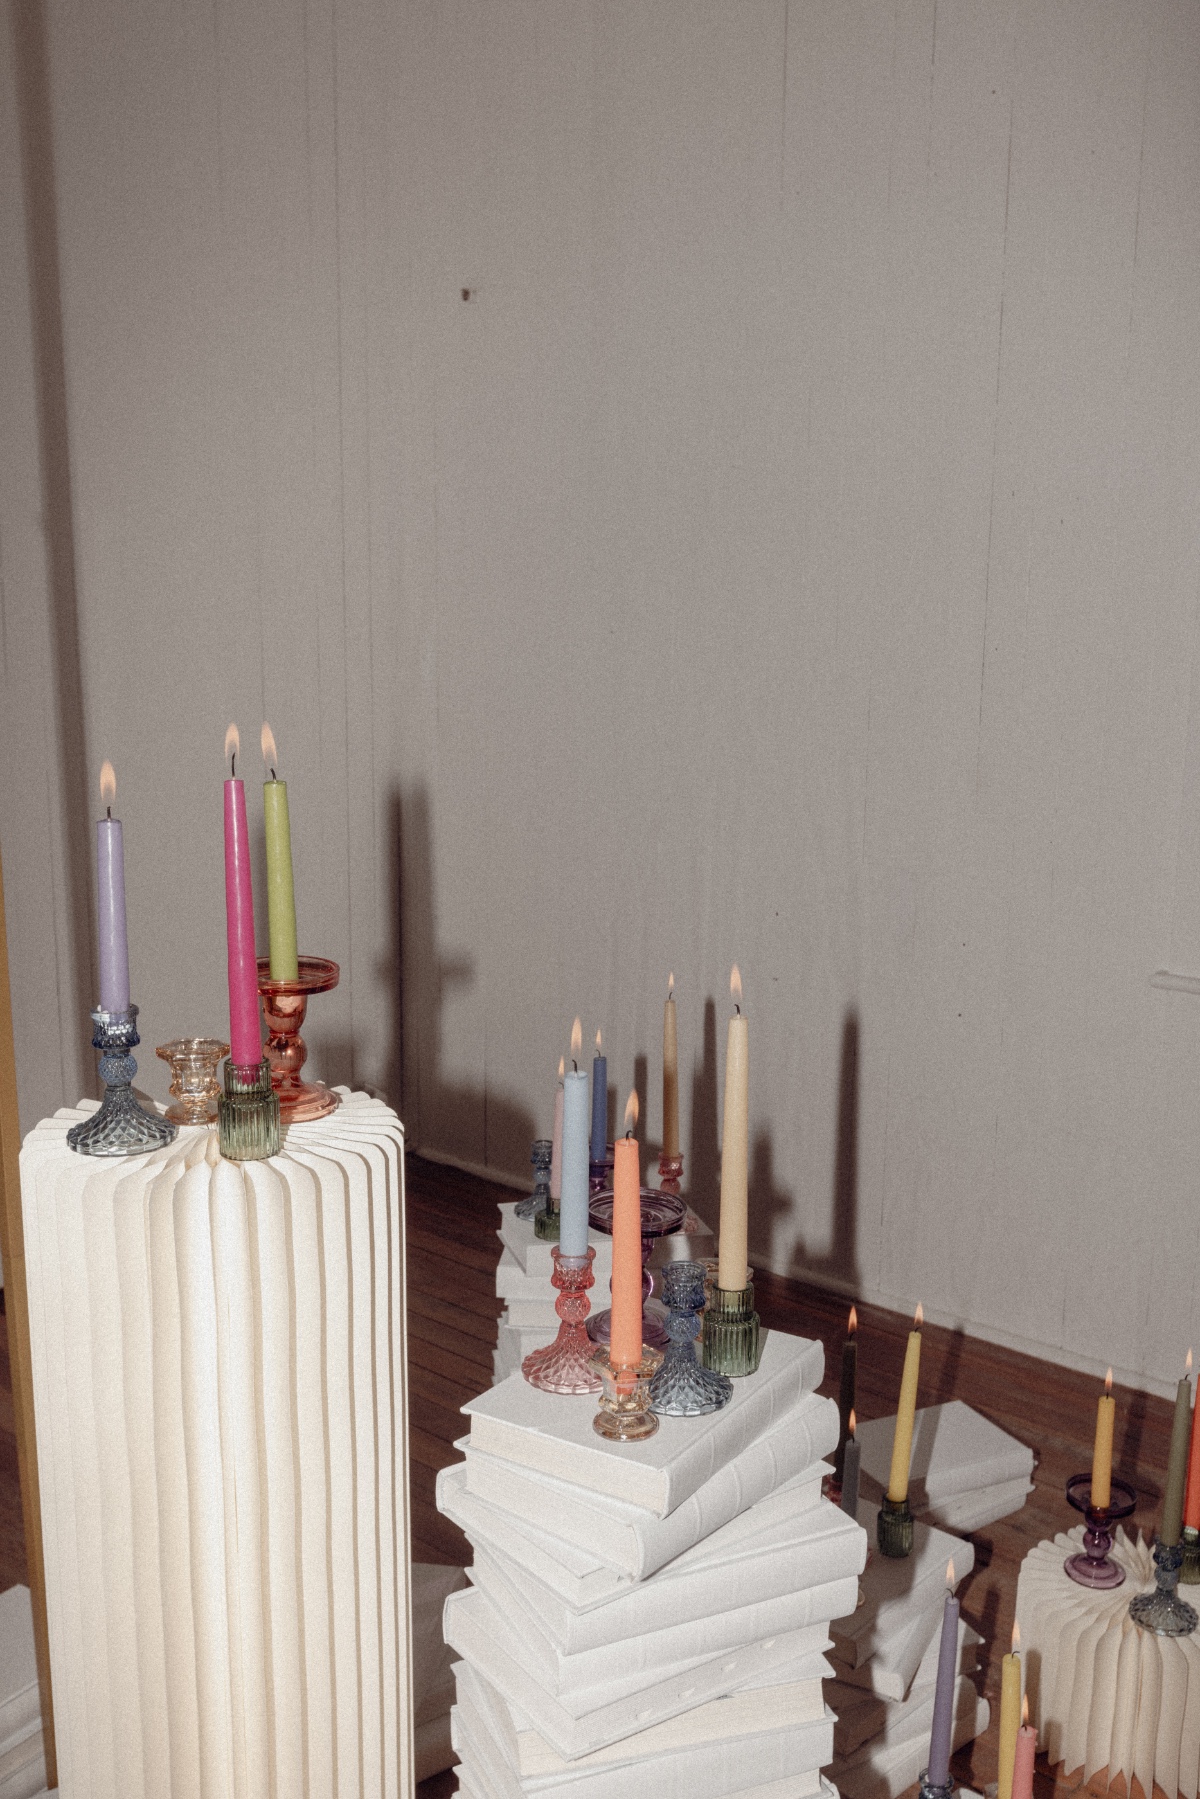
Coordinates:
[702,1164]
[641,1076]
[836,1266]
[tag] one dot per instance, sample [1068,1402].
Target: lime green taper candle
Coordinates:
[281,898]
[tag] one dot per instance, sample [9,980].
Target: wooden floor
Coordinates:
[453,1251]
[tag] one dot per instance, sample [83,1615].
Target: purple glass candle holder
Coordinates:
[662,1215]
[565,1366]
[600,1174]
[670,1173]
[1094,1567]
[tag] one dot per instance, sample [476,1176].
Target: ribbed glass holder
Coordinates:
[248,1113]
[541,1151]
[193,1062]
[285,1004]
[894,1528]
[682,1388]
[565,1366]
[1163,1611]
[548,1223]
[1189,1567]
[731,1342]
[625,1415]
[122,1126]
[1093,1566]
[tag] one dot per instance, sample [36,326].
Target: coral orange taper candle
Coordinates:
[1102,1448]
[245,1032]
[897,1488]
[625,1345]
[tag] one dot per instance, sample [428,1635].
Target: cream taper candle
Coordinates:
[902,1441]
[733,1270]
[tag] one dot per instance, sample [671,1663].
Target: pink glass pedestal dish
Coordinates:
[1094,1567]
[565,1366]
[285,1004]
[662,1215]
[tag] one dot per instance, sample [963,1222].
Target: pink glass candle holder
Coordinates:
[670,1173]
[1094,1567]
[565,1366]
[662,1215]
[284,1006]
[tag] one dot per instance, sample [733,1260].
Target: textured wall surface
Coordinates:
[786,551]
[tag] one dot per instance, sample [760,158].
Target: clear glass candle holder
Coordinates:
[625,1415]
[193,1062]
[285,1004]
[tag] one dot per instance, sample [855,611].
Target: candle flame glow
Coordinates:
[853,1422]
[108,784]
[852,1322]
[599,1045]
[671,985]
[1016,1637]
[1189,1362]
[576,1038]
[270,753]
[233,742]
[950,1574]
[1024,1711]
[919,1316]
[631,1111]
[735,984]
[1108,1382]
[562,1067]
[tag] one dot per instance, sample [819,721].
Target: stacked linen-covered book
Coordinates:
[529,1320]
[966,1472]
[649,1618]
[886,1657]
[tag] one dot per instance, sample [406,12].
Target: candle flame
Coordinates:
[1108,1382]
[108,784]
[853,1422]
[562,1067]
[599,1045]
[270,753]
[1024,1711]
[671,985]
[735,984]
[631,1111]
[919,1316]
[1016,1637]
[950,1574]
[1188,1370]
[233,742]
[576,1038]
[852,1321]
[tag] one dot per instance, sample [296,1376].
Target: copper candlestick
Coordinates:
[284,1005]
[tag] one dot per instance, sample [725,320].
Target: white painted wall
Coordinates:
[788,553]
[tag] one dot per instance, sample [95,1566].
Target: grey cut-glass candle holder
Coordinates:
[1163,1611]
[248,1113]
[681,1387]
[540,1153]
[122,1126]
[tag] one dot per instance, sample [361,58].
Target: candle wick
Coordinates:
[233,766]
[108,810]
[574,1065]
[274,776]
[737,1009]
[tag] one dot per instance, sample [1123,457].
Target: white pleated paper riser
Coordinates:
[219,1377]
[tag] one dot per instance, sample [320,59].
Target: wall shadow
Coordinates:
[702,1163]
[838,1265]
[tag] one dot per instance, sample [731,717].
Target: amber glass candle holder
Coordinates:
[565,1366]
[625,1415]
[194,1085]
[122,1126]
[1094,1567]
[284,1006]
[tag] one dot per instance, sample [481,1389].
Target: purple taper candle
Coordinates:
[110,890]
[941,1732]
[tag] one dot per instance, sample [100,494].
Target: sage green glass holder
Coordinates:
[731,1342]
[1189,1570]
[248,1113]
[894,1528]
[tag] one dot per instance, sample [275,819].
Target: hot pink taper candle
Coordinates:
[245,1032]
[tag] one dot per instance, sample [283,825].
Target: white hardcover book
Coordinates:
[911,1660]
[512,1282]
[955,1450]
[808,1550]
[530,1315]
[971,1511]
[883,1770]
[575,1574]
[499,1651]
[896,1593]
[865,1718]
[532,1253]
[555,1435]
[525,1337]
[634,1539]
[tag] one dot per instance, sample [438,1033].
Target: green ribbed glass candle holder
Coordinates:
[248,1113]
[731,1342]
[894,1528]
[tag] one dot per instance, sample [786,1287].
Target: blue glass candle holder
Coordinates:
[540,1153]
[681,1388]
[122,1126]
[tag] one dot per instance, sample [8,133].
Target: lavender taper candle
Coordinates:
[941,1733]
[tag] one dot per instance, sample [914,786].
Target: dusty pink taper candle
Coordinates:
[245,1032]
[1023,1762]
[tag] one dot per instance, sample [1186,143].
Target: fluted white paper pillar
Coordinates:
[219,1382]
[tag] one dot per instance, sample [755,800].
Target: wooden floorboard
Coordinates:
[453,1251]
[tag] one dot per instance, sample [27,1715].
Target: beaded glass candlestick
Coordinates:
[662,1215]
[732,1339]
[565,1366]
[1094,1567]
[193,1064]
[285,1004]
[1163,1611]
[540,1153]
[625,1415]
[122,1126]
[682,1388]
[248,1113]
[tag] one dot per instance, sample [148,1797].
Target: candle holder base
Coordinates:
[565,1366]
[540,1153]
[894,1528]
[122,1126]
[546,1224]
[625,1415]
[285,1004]
[732,1342]
[928,1790]
[248,1113]
[1189,1567]
[1163,1611]
[662,1215]
[600,1174]
[682,1388]
[193,1064]
[1094,1567]
[670,1173]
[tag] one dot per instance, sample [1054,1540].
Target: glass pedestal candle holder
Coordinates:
[732,1341]
[600,1174]
[248,1113]
[194,1085]
[1163,1611]
[540,1153]
[122,1126]
[285,1004]
[682,1388]
[927,1790]
[894,1528]
[625,1415]
[1189,1568]
[565,1366]
[662,1215]
[670,1173]
[1093,1566]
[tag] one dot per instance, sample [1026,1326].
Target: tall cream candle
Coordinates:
[733,1269]
[905,1412]
[670,1145]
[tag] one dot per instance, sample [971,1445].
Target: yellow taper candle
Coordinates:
[732,1267]
[670,1075]
[281,897]
[1102,1448]
[1010,1717]
[902,1441]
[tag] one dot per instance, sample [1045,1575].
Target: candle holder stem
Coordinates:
[928,1790]
[122,1126]
[894,1528]
[732,1342]
[625,1415]
[1163,1611]
[1093,1566]
[285,1005]
[565,1366]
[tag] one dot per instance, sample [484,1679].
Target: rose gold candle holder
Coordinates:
[284,1005]
[194,1085]
[565,1366]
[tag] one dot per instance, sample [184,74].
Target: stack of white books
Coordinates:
[650,1618]
[966,1472]
[529,1320]
[22,1751]
[886,1657]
